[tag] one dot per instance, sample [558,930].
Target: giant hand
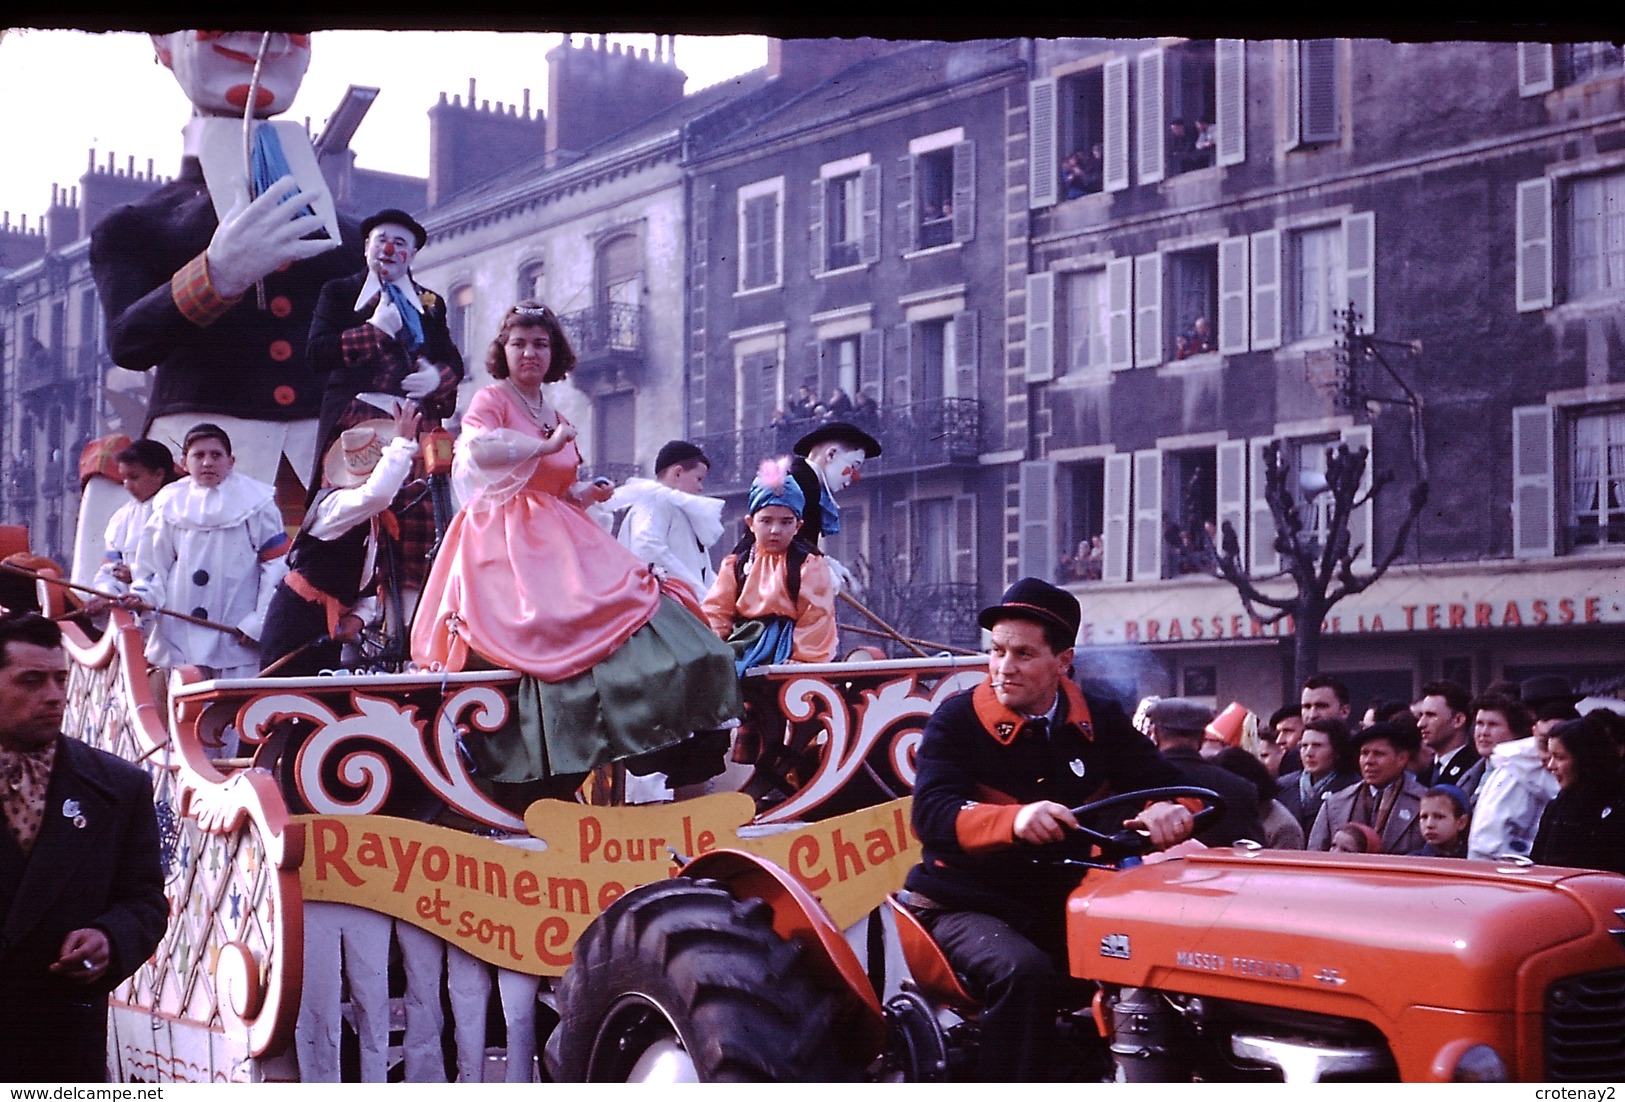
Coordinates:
[257,238]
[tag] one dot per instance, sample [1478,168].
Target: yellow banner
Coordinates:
[521,904]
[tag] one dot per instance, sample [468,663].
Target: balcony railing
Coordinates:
[916,437]
[943,612]
[607,335]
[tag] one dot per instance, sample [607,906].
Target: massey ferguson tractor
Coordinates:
[1235,965]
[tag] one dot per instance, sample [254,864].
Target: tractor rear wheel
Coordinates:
[678,981]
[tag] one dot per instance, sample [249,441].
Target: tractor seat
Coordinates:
[932,973]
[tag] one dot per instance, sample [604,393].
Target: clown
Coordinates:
[828,460]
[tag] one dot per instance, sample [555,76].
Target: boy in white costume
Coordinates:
[213,548]
[669,523]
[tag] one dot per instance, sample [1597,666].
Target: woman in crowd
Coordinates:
[1584,825]
[616,662]
[1328,765]
[1281,828]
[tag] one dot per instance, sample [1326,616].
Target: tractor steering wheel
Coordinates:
[1132,843]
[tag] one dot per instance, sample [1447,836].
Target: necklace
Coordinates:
[537,411]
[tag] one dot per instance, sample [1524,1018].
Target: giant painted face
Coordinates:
[215,69]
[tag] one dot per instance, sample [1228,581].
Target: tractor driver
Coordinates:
[999,769]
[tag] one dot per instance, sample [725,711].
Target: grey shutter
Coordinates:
[1534,244]
[1043,174]
[1321,117]
[1262,558]
[1148,310]
[1360,526]
[1152,163]
[1036,556]
[899,367]
[1040,327]
[964,191]
[1535,74]
[1115,75]
[1147,515]
[1266,281]
[822,368]
[1232,494]
[1360,266]
[908,227]
[1233,295]
[964,546]
[817,246]
[1533,494]
[869,196]
[1293,94]
[902,513]
[1114,560]
[967,338]
[1230,62]
[1120,313]
[871,342]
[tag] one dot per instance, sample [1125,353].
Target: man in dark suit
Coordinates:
[82,901]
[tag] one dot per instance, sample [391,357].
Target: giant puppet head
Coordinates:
[216,68]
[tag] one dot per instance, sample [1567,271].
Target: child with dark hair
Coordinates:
[145,467]
[1445,817]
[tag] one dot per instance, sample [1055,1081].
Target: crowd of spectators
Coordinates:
[1082,563]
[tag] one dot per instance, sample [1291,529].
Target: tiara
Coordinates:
[531,311]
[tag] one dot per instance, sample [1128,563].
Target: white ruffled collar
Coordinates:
[189,505]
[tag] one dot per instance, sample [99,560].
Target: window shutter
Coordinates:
[1360,267]
[902,514]
[1534,244]
[1233,295]
[823,367]
[1147,515]
[1114,561]
[1262,558]
[1293,94]
[1232,495]
[1152,141]
[1040,327]
[966,342]
[1043,174]
[1037,555]
[869,187]
[1115,76]
[1533,531]
[1535,68]
[908,228]
[871,342]
[1266,272]
[899,384]
[1119,312]
[1230,63]
[1360,527]
[1148,310]
[815,228]
[964,549]
[1319,84]
[964,191]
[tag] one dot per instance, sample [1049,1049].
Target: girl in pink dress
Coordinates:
[617,661]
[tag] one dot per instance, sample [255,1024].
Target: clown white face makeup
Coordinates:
[389,251]
[215,68]
[839,466]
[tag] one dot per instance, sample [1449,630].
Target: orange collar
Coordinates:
[1005,724]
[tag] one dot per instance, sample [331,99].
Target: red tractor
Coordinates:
[1238,964]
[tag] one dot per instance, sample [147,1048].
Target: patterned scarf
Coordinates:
[24,777]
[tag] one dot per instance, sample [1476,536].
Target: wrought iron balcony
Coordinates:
[942,612]
[606,337]
[920,436]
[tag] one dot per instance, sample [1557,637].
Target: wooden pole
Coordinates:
[921,642]
[114,598]
[891,632]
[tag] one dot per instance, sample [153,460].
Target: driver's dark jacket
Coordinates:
[979,762]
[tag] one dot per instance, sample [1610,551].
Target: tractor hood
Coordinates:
[1392,932]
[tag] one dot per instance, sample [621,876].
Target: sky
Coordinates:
[64,93]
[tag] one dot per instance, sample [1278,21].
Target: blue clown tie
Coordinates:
[411,334]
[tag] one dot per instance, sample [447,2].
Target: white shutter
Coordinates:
[1120,313]
[1535,68]
[1534,244]
[1151,143]
[1293,96]
[1230,62]
[1360,267]
[1533,531]
[1040,327]
[902,513]
[870,345]
[869,196]
[1361,531]
[900,367]
[1036,558]
[1233,295]
[964,545]
[1262,558]
[967,341]
[1043,174]
[1232,494]
[908,227]
[1266,281]
[1147,515]
[1114,561]
[1148,310]
[1115,75]
[815,227]
[1322,121]
[964,191]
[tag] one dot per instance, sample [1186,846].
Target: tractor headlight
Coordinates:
[1480,1064]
